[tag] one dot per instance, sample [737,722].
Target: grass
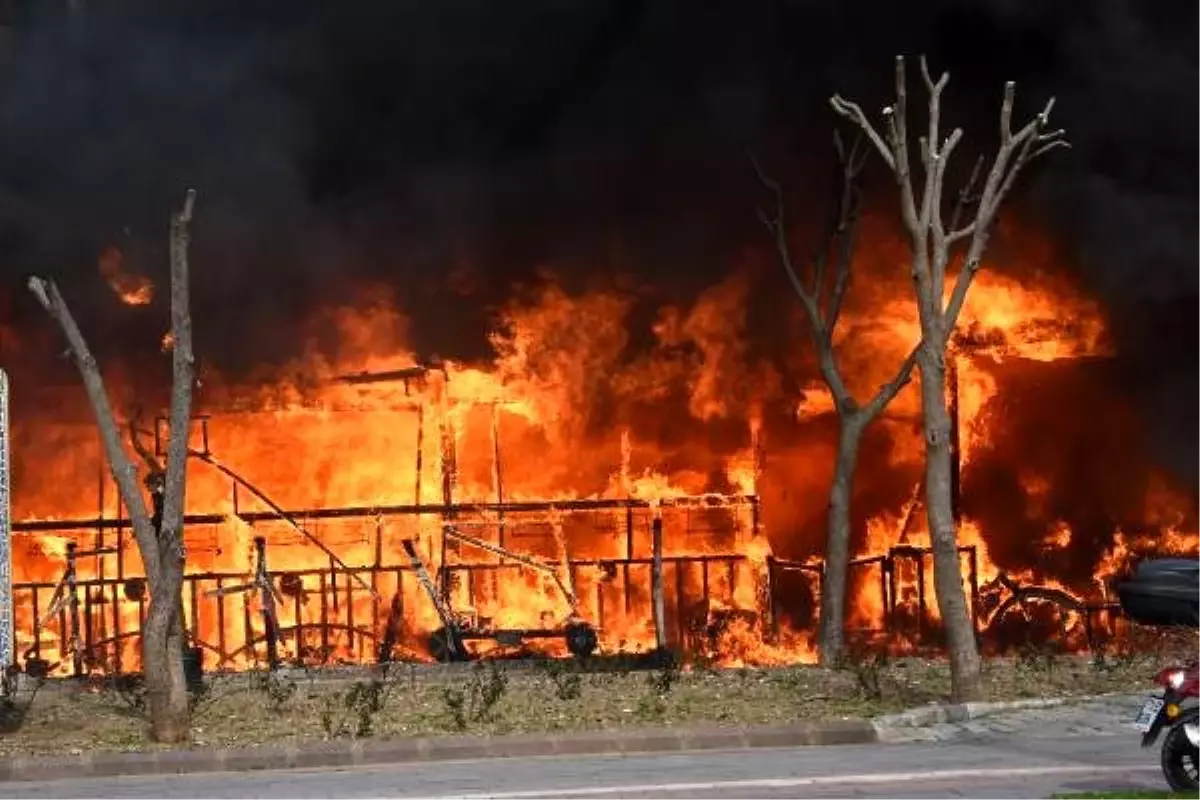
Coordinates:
[252,709]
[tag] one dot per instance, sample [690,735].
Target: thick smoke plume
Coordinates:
[450,152]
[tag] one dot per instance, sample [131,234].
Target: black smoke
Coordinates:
[452,150]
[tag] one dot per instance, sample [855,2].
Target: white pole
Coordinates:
[6,605]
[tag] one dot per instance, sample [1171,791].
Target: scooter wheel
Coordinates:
[1179,759]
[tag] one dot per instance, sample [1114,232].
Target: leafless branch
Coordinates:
[1006,108]
[934,88]
[135,437]
[854,113]
[965,198]
[122,468]
[776,225]
[889,390]
[845,232]
[822,313]
[1014,152]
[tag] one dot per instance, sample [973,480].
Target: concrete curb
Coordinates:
[352,753]
[926,716]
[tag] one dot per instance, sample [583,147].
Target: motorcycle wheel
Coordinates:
[1179,760]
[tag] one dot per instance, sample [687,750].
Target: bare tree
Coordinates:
[933,245]
[822,303]
[161,547]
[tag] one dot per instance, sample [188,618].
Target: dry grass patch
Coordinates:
[488,698]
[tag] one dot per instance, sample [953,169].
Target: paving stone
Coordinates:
[1107,716]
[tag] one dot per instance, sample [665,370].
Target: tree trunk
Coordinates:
[160,542]
[162,662]
[164,637]
[965,665]
[837,543]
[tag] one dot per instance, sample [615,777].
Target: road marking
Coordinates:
[813,780]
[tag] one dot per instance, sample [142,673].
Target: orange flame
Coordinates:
[133,290]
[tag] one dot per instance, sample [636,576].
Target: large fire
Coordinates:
[571,408]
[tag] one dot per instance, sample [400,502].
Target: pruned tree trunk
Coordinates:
[162,664]
[822,306]
[164,640]
[161,548]
[832,631]
[965,664]
[932,244]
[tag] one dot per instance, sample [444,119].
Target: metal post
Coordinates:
[221,624]
[350,637]
[118,646]
[449,476]
[73,602]
[325,617]
[887,575]
[497,478]
[921,597]
[378,546]
[628,533]
[99,546]
[772,601]
[87,623]
[756,451]
[267,597]
[656,581]
[420,456]
[120,539]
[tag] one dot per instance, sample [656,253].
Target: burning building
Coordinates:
[570,419]
[361,503]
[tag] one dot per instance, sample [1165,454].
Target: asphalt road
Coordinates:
[997,766]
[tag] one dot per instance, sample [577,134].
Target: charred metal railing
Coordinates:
[87,612]
[900,615]
[88,626]
[362,612]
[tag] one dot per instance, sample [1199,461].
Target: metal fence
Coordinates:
[89,616]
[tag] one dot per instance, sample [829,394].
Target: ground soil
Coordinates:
[261,708]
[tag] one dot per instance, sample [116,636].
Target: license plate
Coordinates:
[1149,714]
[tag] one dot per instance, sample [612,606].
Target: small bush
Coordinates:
[352,712]
[278,690]
[664,680]
[477,700]
[568,684]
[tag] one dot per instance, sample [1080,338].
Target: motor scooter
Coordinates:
[1174,711]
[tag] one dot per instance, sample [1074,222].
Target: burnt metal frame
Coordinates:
[337,593]
[449,511]
[505,513]
[98,595]
[268,595]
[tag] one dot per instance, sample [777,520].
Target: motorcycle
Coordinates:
[1175,711]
